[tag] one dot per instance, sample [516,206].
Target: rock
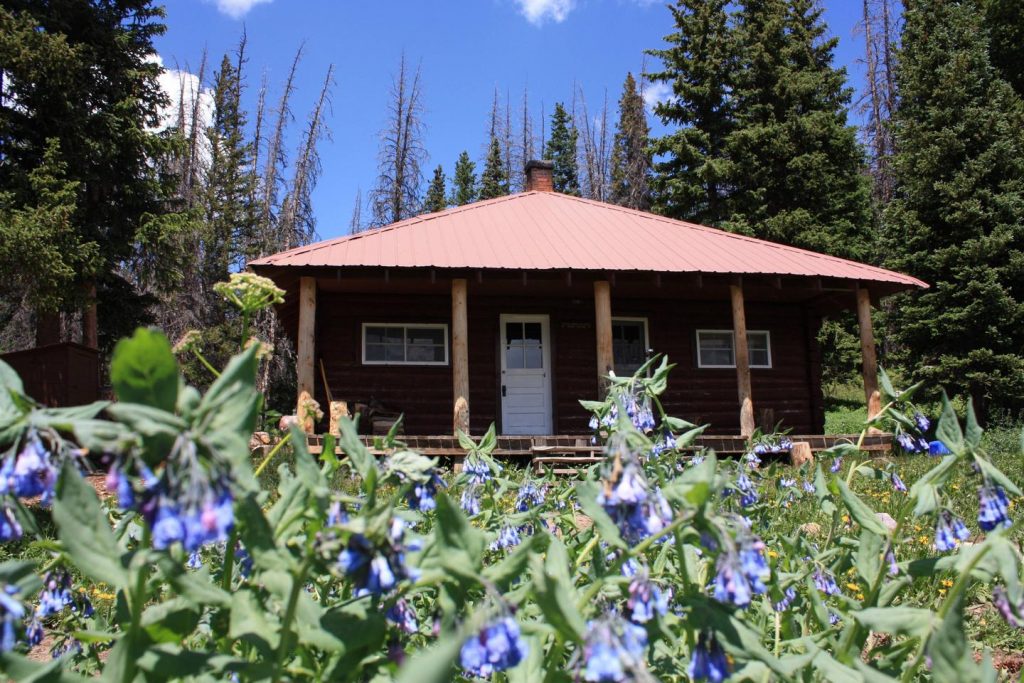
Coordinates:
[887,521]
[287,421]
[811,529]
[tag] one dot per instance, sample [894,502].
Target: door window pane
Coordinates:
[629,346]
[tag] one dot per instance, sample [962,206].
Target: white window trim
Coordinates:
[405,326]
[635,319]
[768,340]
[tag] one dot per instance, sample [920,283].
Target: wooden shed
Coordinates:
[511,310]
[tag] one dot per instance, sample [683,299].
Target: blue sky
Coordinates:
[466,49]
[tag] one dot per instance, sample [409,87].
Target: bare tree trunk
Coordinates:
[276,161]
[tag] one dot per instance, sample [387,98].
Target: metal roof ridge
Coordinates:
[746,238]
[404,223]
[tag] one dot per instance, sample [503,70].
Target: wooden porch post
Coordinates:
[869,362]
[460,357]
[603,327]
[739,326]
[306,340]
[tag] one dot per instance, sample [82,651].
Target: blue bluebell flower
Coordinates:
[748,492]
[404,616]
[530,495]
[833,617]
[194,524]
[646,598]
[640,414]
[10,529]
[630,567]
[336,514]
[730,583]
[477,471]
[421,497]
[993,507]
[825,582]
[33,473]
[922,422]
[949,531]
[708,661]
[34,633]
[894,568]
[808,486]
[469,501]
[753,563]
[499,646]
[837,464]
[786,483]
[11,613]
[897,483]
[613,649]
[1012,612]
[911,444]
[55,595]
[507,538]
[938,448]
[593,424]
[788,596]
[376,568]
[751,460]
[195,560]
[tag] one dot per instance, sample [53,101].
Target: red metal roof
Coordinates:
[552,231]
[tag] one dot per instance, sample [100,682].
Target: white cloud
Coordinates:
[236,9]
[539,11]
[655,93]
[186,98]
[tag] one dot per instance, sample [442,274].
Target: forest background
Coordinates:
[122,188]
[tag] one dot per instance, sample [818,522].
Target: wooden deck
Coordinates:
[563,447]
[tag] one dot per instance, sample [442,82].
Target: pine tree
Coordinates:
[957,221]
[493,181]
[631,159]
[1004,20]
[464,189]
[561,150]
[692,181]
[435,200]
[796,168]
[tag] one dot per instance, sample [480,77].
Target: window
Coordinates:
[629,345]
[524,345]
[405,344]
[715,349]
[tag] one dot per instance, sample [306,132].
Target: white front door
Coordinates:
[525,375]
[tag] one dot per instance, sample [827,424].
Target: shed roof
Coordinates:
[553,231]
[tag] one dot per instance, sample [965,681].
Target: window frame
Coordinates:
[732,335]
[647,336]
[405,343]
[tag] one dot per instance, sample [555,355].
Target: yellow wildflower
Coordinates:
[948,583]
[853,586]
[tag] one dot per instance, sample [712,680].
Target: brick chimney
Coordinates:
[538,176]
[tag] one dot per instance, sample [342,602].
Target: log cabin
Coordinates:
[510,310]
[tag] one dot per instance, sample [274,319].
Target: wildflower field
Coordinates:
[660,563]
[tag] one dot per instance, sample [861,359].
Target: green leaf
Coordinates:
[951,655]
[143,370]
[586,495]
[85,531]
[455,533]
[996,475]
[170,621]
[432,664]
[505,572]
[859,510]
[886,384]
[24,670]
[902,621]
[555,593]
[925,491]
[948,431]
[360,457]
[974,431]
[869,556]
[232,402]
[694,486]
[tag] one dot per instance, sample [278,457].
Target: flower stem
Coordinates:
[272,453]
[289,615]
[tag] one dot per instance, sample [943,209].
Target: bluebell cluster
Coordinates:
[837,464]
[469,501]
[57,595]
[667,442]
[31,472]
[11,612]
[788,596]
[497,647]
[741,572]
[774,447]
[10,529]
[897,483]
[478,473]
[613,649]
[637,510]
[639,413]
[748,492]
[530,495]
[912,444]
[949,531]
[336,514]
[508,537]
[646,598]
[751,460]
[403,615]
[922,422]
[938,448]
[376,568]
[993,507]
[708,661]
[825,582]
[421,496]
[807,485]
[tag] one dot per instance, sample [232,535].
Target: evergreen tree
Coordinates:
[1005,22]
[957,221]
[797,168]
[631,159]
[76,72]
[435,200]
[692,181]
[493,181]
[463,181]
[561,150]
